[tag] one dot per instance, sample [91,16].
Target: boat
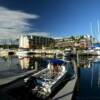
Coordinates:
[97,50]
[59,54]
[23,52]
[43,83]
[67,52]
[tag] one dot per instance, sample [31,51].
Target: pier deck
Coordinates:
[66,92]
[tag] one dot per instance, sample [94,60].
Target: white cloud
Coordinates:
[14,22]
[38,33]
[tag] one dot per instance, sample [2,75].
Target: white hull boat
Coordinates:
[44,82]
[23,53]
[97,51]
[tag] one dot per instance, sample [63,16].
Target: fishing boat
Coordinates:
[44,82]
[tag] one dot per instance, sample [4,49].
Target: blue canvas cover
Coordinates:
[56,61]
[95,45]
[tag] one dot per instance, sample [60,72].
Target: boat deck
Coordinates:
[49,77]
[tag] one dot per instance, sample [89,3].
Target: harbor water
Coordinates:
[12,67]
[88,83]
[87,71]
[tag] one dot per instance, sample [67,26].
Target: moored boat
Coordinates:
[23,52]
[97,50]
[43,83]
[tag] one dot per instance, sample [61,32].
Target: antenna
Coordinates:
[91,28]
[98,26]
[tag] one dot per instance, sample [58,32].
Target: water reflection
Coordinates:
[26,63]
[88,83]
[13,67]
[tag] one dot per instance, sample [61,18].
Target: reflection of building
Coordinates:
[26,63]
[33,41]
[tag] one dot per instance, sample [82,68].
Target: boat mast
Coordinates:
[98,26]
[91,30]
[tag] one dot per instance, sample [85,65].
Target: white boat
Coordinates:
[66,52]
[23,52]
[88,51]
[45,81]
[97,50]
[59,53]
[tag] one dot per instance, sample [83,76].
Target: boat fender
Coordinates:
[47,89]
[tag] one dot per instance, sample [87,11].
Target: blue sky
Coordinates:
[59,18]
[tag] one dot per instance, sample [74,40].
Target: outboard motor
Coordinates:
[31,82]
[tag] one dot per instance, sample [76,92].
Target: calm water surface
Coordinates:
[87,70]
[14,66]
[88,83]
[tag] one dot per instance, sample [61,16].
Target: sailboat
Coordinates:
[97,48]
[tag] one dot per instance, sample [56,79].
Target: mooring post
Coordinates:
[36,65]
[77,58]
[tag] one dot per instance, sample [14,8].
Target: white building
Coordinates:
[33,41]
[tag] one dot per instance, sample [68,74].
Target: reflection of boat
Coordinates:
[45,81]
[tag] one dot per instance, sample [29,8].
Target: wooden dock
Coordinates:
[66,92]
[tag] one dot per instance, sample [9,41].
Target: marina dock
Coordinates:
[5,52]
[66,92]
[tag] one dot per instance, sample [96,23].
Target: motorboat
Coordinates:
[97,50]
[23,52]
[59,54]
[66,52]
[44,82]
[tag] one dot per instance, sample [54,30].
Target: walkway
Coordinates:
[66,92]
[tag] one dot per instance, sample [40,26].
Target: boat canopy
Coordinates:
[56,61]
[96,45]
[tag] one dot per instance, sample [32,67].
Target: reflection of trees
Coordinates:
[5,59]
